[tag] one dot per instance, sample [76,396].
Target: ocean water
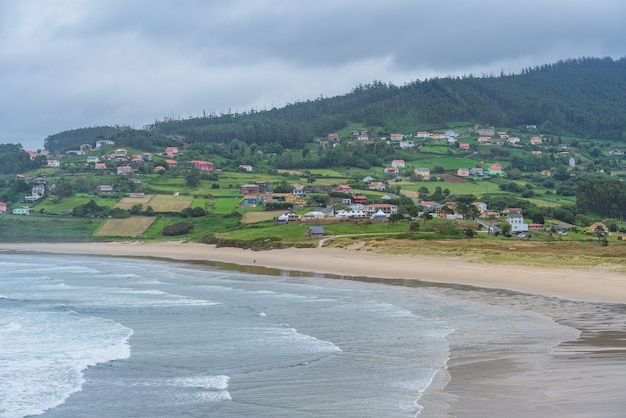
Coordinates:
[84,336]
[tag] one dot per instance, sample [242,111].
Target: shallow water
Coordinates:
[142,338]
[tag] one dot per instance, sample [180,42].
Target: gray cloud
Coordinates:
[68,64]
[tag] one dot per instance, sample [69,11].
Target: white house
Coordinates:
[398,163]
[516,221]
[54,163]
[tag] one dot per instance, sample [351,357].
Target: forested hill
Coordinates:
[585,97]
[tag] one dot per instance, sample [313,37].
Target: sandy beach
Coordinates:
[585,284]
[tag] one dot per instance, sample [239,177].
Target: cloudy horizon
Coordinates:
[71,64]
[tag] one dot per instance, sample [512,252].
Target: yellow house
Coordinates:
[294,200]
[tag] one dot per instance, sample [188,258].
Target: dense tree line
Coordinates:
[13,159]
[74,138]
[602,195]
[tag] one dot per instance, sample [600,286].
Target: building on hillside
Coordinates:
[250,200]
[398,163]
[495,170]
[422,172]
[24,211]
[463,172]
[292,199]
[104,143]
[3,208]
[386,208]
[246,167]
[334,137]
[516,221]
[405,143]
[342,188]
[171,152]
[247,189]
[104,188]
[124,170]
[377,185]
[202,165]
[54,163]
[358,199]
[299,190]
[314,232]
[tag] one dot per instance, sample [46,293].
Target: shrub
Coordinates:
[179,228]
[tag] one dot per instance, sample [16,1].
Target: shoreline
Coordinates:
[469,377]
[576,284]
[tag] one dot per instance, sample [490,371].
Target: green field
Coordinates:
[46,229]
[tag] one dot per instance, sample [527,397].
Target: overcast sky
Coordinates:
[67,64]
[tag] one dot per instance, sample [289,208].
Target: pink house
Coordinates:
[342,188]
[171,152]
[377,185]
[124,170]
[203,165]
[3,207]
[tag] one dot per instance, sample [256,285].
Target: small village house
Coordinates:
[342,188]
[314,232]
[202,165]
[248,189]
[463,172]
[516,221]
[104,188]
[376,185]
[124,170]
[422,172]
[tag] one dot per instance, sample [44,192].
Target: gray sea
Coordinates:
[86,336]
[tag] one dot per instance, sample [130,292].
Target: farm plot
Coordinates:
[127,227]
[251,217]
[159,202]
[129,202]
